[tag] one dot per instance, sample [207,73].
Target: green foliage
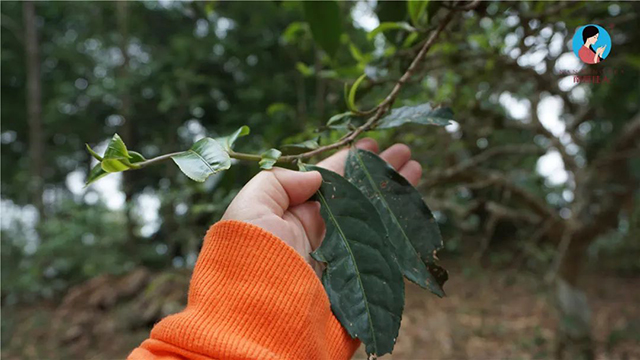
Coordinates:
[351,99]
[362,278]
[228,141]
[83,242]
[93,153]
[417,10]
[116,158]
[269,158]
[192,70]
[412,229]
[298,148]
[386,26]
[205,158]
[422,114]
[325,22]
[95,174]
[340,121]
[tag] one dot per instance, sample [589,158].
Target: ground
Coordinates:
[487,314]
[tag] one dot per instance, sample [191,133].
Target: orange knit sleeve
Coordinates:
[251,297]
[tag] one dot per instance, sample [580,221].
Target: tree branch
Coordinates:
[519,149]
[385,105]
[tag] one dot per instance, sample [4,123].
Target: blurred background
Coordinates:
[535,185]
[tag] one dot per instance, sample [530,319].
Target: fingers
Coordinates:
[298,186]
[397,155]
[274,191]
[308,214]
[412,171]
[336,161]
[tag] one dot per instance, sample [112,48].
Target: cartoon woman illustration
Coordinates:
[589,37]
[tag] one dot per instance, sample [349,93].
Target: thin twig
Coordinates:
[384,106]
[378,111]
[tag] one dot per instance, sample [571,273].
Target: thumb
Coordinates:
[299,186]
[275,190]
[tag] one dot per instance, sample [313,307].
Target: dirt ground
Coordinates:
[488,314]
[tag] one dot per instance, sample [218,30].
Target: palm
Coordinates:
[277,202]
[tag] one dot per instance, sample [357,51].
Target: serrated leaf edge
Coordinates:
[395,219]
[344,238]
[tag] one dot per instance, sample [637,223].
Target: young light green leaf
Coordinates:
[227,142]
[340,121]
[205,158]
[115,165]
[416,9]
[325,23]
[411,38]
[352,93]
[136,157]
[356,53]
[116,149]
[95,174]
[413,231]
[293,31]
[269,158]
[93,153]
[304,69]
[362,279]
[386,26]
[116,157]
[339,118]
[422,114]
[295,149]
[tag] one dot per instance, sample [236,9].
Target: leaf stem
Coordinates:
[244,156]
[378,111]
[385,105]
[157,159]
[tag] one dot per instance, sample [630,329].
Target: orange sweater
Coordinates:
[251,297]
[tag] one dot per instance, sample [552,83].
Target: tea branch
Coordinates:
[378,111]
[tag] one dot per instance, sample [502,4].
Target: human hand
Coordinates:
[600,50]
[276,200]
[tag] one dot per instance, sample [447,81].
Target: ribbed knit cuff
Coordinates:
[253,297]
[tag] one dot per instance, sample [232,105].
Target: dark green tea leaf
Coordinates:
[413,231]
[362,278]
[205,158]
[422,114]
[325,23]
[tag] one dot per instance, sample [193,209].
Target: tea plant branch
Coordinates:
[385,105]
[377,111]
[273,156]
[381,108]
[156,159]
[438,176]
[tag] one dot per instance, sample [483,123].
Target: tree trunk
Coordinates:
[34,107]
[573,338]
